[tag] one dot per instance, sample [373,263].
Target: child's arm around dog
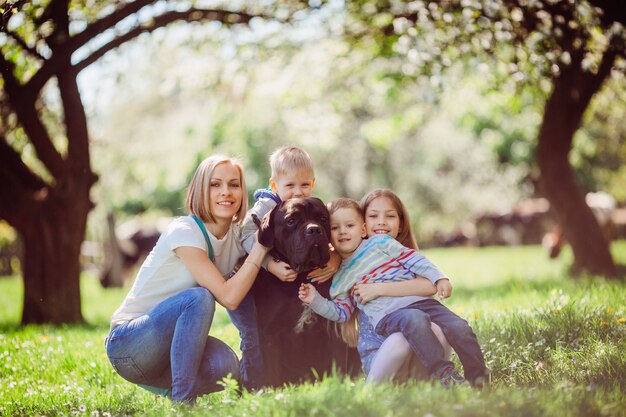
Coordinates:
[339,309]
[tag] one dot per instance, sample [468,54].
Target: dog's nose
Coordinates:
[313,229]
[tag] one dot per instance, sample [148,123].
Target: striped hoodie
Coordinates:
[380,258]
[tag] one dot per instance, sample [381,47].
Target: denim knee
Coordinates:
[201,300]
[416,317]
[228,363]
[459,328]
[218,361]
[406,319]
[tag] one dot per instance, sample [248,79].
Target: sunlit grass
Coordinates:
[555,344]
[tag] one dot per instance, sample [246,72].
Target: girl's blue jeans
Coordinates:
[414,323]
[168,348]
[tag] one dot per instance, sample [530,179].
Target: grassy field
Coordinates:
[555,344]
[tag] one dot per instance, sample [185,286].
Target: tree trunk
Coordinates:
[572,92]
[112,274]
[51,260]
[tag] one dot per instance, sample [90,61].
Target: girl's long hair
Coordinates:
[350,330]
[405,234]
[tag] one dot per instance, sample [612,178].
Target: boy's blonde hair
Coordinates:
[349,330]
[344,203]
[405,235]
[198,192]
[289,159]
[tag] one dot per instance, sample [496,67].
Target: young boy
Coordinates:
[292,176]
[382,259]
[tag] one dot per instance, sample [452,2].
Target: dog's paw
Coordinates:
[256,220]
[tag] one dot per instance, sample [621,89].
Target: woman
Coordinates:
[159,335]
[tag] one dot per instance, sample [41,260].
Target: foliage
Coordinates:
[513,49]
[45,161]
[361,128]
[507,119]
[367,120]
[555,346]
[561,50]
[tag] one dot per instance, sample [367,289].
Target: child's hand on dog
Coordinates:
[306,293]
[282,270]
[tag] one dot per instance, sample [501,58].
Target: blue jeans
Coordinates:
[414,323]
[252,364]
[169,347]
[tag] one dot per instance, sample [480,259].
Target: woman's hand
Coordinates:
[367,292]
[306,293]
[282,271]
[320,275]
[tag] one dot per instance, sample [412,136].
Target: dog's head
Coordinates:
[298,231]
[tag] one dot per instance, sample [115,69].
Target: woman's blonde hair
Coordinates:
[198,192]
[405,234]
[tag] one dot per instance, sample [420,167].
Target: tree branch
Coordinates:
[8,11]
[596,80]
[29,120]
[59,15]
[22,43]
[63,53]
[11,160]
[613,10]
[18,183]
[57,62]
[76,126]
[165,19]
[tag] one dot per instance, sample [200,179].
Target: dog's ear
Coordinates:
[325,212]
[266,229]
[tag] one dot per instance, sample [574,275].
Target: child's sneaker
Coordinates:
[450,377]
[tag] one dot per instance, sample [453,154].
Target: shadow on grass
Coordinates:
[10,328]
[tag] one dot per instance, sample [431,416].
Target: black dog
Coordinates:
[298,231]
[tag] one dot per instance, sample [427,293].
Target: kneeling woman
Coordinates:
[159,335]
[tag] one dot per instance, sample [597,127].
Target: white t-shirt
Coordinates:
[163,274]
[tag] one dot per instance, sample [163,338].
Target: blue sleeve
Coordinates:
[338,309]
[412,260]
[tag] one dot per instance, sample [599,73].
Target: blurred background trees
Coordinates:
[444,102]
[46,175]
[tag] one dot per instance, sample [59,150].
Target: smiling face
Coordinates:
[297,184]
[347,231]
[225,192]
[381,216]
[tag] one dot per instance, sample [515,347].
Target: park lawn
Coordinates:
[555,344]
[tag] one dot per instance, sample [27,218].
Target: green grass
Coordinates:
[555,344]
